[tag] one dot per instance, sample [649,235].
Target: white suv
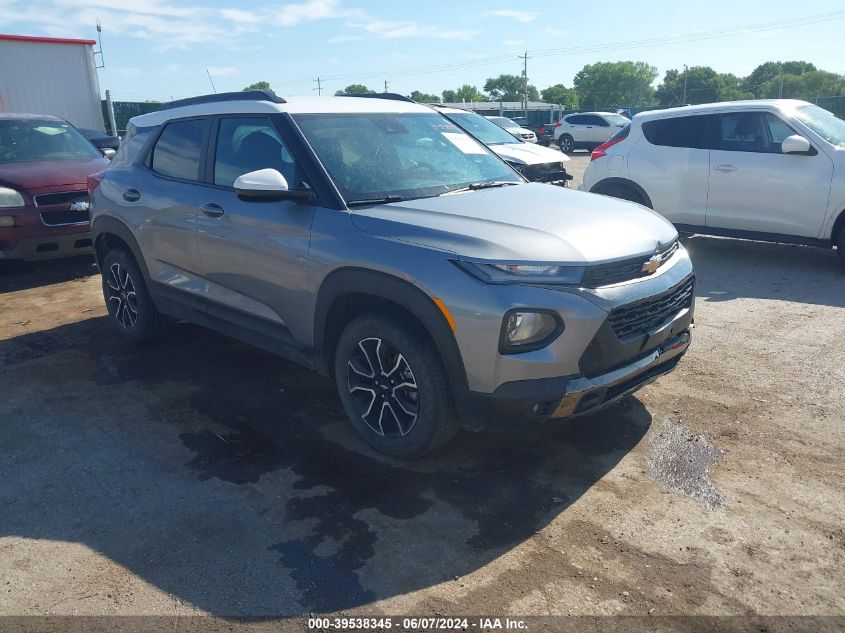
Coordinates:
[769,170]
[586,130]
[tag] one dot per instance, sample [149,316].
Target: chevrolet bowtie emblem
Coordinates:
[79,205]
[652,264]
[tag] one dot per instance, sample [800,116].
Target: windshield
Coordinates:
[503,122]
[483,129]
[617,119]
[373,156]
[28,140]
[826,124]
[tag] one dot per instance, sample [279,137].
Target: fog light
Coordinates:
[526,330]
[7,221]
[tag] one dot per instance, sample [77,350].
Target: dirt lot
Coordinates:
[201,475]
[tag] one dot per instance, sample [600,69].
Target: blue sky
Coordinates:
[158,49]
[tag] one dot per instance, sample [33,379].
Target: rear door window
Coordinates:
[178,151]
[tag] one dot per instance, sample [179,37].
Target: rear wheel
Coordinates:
[623,193]
[566,144]
[128,300]
[393,387]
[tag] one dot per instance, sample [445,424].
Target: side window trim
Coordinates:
[147,161]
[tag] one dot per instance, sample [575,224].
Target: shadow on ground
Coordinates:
[729,269]
[230,479]
[17,275]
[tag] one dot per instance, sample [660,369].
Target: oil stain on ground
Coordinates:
[680,461]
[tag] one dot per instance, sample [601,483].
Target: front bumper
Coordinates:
[570,396]
[49,247]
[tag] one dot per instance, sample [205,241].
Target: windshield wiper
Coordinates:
[365,201]
[475,186]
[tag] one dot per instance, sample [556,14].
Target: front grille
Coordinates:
[65,197]
[544,172]
[642,316]
[59,218]
[617,272]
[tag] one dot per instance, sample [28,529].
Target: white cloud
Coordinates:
[312,10]
[222,71]
[387,30]
[520,16]
[555,32]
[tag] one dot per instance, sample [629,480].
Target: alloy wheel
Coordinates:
[383,388]
[565,144]
[122,298]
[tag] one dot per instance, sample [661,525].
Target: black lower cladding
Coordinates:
[665,316]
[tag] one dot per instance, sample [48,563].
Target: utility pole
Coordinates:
[385,85]
[780,90]
[686,70]
[525,83]
[319,87]
[110,110]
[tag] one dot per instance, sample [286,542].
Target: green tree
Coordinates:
[509,88]
[422,97]
[704,85]
[808,85]
[354,89]
[615,84]
[766,72]
[259,85]
[560,94]
[464,93]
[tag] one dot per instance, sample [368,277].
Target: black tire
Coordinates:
[566,144]
[415,412]
[128,301]
[624,193]
[840,246]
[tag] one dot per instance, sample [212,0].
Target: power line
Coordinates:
[595,48]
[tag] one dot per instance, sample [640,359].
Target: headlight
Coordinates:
[10,198]
[524,330]
[524,273]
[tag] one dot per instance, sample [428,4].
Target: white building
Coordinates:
[46,75]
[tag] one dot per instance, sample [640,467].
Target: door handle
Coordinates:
[131,195]
[725,167]
[212,209]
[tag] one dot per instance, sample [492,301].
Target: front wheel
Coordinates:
[393,387]
[566,144]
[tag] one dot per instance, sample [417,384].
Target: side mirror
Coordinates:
[108,152]
[795,144]
[267,184]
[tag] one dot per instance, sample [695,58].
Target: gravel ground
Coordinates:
[198,475]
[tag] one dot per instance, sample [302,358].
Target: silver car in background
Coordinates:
[375,242]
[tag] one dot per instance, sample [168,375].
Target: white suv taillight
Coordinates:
[601,150]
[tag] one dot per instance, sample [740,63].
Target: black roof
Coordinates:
[245,95]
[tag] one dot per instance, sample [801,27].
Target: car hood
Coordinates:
[49,173]
[529,222]
[528,154]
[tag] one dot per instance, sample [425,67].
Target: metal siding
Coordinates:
[50,78]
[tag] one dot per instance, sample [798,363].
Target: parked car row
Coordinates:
[401,249]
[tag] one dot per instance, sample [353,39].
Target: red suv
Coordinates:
[44,167]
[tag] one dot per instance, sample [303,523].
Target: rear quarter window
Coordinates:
[692,132]
[132,145]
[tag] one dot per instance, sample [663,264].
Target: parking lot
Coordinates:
[197,474]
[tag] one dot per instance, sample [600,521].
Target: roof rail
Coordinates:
[393,96]
[246,95]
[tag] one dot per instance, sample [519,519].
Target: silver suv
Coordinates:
[374,241]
